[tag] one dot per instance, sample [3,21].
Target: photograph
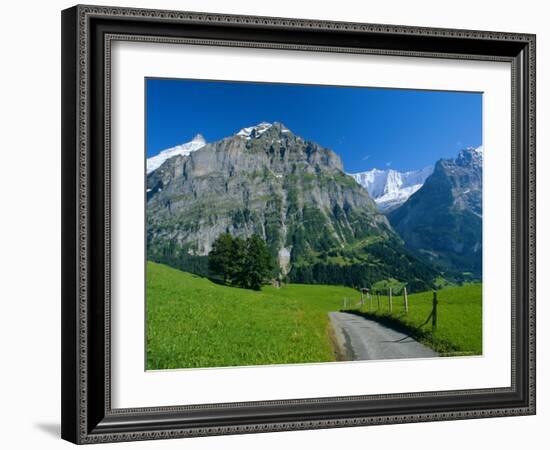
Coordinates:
[290,219]
[299,223]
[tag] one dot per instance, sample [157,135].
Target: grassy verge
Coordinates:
[459,324]
[193,322]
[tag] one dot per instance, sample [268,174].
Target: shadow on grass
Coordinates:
[218,281]
[394,324]
[426,337]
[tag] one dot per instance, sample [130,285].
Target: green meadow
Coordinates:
[194,322]
[459,324]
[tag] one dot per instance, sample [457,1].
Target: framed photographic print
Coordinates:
[278,224]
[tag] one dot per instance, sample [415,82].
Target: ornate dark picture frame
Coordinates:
[87,33]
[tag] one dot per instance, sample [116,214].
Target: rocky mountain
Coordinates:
[319,224]
[442,221]
[156,161]
[390,188]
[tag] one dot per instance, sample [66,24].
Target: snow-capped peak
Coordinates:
[194,144]
[390,188]
[255,131]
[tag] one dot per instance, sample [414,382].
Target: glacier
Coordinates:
[391,188]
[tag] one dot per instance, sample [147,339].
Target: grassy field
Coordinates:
[193,322]
[458,318]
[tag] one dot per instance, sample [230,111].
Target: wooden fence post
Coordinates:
[406,300]
[370,301]
[391,302]
[434,311]
[378,298]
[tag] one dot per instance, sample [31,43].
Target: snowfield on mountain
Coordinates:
[156,161]
[390,188]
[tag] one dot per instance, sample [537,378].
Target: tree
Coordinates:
[221,259]
[242,263]
[257,265]
[238,257]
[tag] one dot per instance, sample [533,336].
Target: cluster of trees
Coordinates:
[239,262]
[249,263]
[354,275]
[387,262]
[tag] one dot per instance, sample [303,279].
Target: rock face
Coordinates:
[390,188]
[268,181]
[443,220]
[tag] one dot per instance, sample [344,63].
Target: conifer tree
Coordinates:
[220,258]
[257,263]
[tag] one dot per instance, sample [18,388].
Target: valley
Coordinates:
[193,322]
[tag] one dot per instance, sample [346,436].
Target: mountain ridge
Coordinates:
[293,193]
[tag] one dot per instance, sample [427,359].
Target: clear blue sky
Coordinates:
[367,127]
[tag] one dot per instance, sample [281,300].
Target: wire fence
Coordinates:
[388,301]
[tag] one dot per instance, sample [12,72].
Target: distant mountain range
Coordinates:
[390,188]
[442,221]
[319,223]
